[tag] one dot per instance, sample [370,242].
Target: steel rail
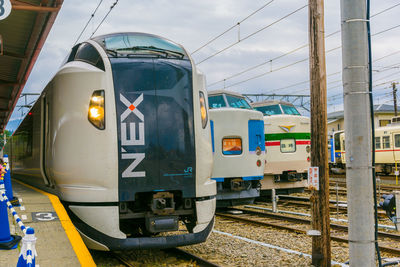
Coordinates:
[394,251]
[189,256]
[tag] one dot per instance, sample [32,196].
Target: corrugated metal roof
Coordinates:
[23,34]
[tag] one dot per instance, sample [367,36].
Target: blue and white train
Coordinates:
[121,134]
[238,147]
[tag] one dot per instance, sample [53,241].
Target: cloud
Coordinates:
[193,23]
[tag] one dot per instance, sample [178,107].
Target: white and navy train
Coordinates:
[122,135]
[238,147]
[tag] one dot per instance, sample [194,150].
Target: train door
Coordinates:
[44,138]
[396,147]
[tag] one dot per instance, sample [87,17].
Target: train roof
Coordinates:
[220,92]
[270,103]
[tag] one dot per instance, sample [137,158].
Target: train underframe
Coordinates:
[286,183]
[236,192]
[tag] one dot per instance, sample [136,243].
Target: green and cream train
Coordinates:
[287,141]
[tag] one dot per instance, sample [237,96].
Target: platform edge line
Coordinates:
[79,247]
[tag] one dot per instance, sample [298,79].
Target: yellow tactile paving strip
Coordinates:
[79,247]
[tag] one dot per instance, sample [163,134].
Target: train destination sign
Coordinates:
[5,9]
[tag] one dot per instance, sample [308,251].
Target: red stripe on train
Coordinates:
[278,143]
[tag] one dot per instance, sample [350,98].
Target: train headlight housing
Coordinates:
[96,109]
[308,149]
[203,110]
[258,151]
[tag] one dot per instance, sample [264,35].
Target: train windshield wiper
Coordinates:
[152,49]
[112,52]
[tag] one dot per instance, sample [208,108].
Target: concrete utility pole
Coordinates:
[395,98]
[357,121]
[321,244]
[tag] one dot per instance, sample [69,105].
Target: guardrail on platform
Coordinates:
[28,251]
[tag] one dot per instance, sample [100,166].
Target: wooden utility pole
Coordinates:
[395,98]
[321,240]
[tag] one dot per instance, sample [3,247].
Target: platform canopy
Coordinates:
[22,34]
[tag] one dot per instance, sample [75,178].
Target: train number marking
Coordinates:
[132,107]
[5,9]
[44,216]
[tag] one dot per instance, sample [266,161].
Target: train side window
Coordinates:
[386,141]
[397,140]
[89,54]
[378,142]
[71,55]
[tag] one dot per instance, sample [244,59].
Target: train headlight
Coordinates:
[203,110]
[258,151]
[308,149]
[96,109]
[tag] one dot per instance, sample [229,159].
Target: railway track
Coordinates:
[338,232]
[305,202]
[176,252]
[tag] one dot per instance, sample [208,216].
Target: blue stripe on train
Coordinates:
[256,135]
[212,134]
[250,178]
[218,179]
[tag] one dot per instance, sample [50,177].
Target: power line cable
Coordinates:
[394,27]
[387,9]
[252,34]
[299,61]
[232,27]
[294,50]
[104,18]
[91,17]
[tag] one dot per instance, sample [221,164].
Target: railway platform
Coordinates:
[58,242]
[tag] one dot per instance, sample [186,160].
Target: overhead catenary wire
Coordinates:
[104,18]
[232,27]
[252,34]
[280,68]
[295,50]
[91,17]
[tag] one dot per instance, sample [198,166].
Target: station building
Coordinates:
[383,115]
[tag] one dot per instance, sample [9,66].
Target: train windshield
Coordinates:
[270,110]
[217,101]
[127,45]
[290,110]
[237,102]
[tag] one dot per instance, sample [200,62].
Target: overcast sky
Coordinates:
[194,23]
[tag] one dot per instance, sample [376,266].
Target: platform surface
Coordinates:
[58,243]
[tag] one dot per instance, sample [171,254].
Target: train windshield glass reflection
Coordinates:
[140,43]
[216,101]
[289,110]
[236,102]
[270,110]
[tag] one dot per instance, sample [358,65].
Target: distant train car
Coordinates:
[238,147]
[121,134]
[287,140]
[336,163]
[387,149]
